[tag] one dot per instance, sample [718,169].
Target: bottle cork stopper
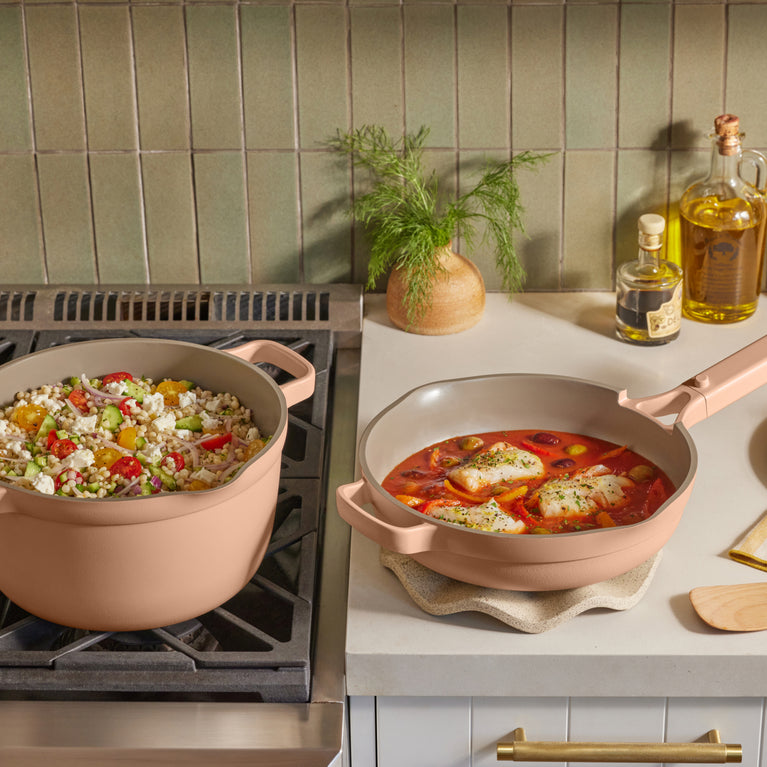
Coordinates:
[727,128]
[651,223]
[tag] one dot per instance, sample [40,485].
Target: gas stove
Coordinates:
[261,645]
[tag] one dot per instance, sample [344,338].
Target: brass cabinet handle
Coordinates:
[713,752]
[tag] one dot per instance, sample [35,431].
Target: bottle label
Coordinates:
[667,318]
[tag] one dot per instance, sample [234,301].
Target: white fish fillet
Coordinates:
[583,494]
[488,516]
[501,462]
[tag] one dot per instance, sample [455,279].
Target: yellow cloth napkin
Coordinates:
[752,550]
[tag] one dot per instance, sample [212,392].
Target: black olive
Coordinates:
[563,463]
[544,438]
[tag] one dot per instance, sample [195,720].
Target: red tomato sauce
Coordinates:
[422,480]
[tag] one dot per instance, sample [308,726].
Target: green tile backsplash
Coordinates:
[155,141]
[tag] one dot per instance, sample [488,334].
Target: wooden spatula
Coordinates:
[740,607]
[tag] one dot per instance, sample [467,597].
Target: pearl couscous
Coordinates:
[120,436]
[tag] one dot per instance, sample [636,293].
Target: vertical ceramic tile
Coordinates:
[110,99]
[698,89]
[267,74]
[590,80]
[222,219]
[644,84]
[326,234]
[323,79]
[170,219]
[642,188]
[65,202]
[588,220]
[15,126]
[430,86]
[537,82]
[214,77]
[161,77]
[483,76]
[20,247]
[56,79]
[118,218]
[747,24]
[273,210]
[540,247]
[376,57]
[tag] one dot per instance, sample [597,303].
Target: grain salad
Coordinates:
[123,435]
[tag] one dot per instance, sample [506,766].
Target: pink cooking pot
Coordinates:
[132,563]
[446,409]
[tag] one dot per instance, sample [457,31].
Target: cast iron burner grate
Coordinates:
[255,647]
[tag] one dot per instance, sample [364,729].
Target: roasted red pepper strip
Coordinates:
[463,494]
[537,449]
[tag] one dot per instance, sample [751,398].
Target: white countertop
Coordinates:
[657,648]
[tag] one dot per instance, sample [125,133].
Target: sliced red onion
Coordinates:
[98,394]
[156,482]
[233,468]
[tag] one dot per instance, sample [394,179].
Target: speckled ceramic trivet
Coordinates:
[531,612]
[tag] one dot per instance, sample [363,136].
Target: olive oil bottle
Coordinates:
[723,220]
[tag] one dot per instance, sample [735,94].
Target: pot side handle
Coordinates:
[709,391]
[275,353]
[403,540]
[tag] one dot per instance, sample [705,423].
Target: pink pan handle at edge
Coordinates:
[264,350]
[710,391]
[403,540]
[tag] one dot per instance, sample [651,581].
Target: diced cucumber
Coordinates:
[111,418]
[189,385]
[41,460]
[132,389]
[93,487]
[74,381]
[32,469]
[147,488]
[167,479]
[49,422]
[140,442]
[62,434]
[190,422]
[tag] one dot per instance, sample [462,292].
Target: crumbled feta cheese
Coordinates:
[152,455]
[43,483]
[154,404]
[253,434]
[20,449]
[165,422]
[209,423]
[184,434]
[205,476]
[214,405]
[186,398]
[114,387]
[79,459]
[49,404]
[3,427]
[84,424]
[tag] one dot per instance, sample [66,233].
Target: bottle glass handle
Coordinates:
[757,161]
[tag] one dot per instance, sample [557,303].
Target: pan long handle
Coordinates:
[264,350]
[711,390]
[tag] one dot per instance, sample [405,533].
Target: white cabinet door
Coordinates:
[423,732]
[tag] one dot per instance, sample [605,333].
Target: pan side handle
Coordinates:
[709,391]
[264,350]
[403,540]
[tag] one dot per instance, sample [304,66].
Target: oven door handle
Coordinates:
[413,539]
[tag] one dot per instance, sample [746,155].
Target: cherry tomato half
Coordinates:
[79,400]
[29,417]
[215,441]
[127,466]
[126,404]
[173,462]
[53,435]
[61,448]
[170,391]
[66,476]
[114,377]
[127,438]
[106,456]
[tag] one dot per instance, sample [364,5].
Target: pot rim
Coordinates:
[630,531]
[275,442]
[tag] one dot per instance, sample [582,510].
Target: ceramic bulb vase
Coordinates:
[457,298]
